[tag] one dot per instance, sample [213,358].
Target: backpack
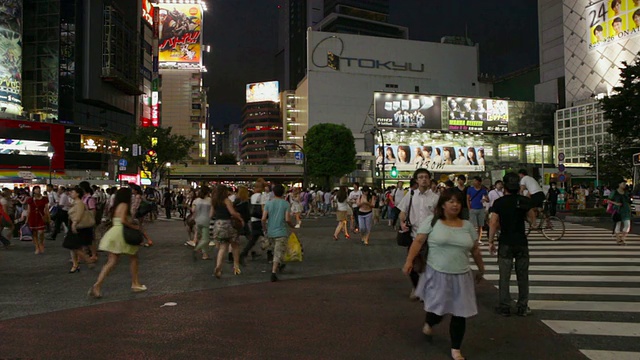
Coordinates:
[256,209]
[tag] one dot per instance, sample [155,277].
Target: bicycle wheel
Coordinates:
[553,228]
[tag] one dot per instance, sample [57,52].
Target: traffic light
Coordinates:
[151,153]
[394,172]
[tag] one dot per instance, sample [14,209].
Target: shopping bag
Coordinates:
[25,233]
[294,249]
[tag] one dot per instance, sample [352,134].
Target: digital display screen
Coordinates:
[411,111]
[609,21]
[476,114]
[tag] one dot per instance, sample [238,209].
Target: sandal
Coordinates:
[218,273]
[93,294]
[335,238]
[236,271]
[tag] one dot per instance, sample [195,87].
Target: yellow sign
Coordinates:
[145,174]
[612,20]
[180,31]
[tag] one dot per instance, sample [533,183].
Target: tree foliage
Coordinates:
[169,148]
[226,159]
[330,151]
[614,164]
[623,108]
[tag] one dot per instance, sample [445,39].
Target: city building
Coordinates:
[595,43]
[551,39]
[217,144]
[183,96]
[360,17]
[419,84]
[261,122]
[233,142]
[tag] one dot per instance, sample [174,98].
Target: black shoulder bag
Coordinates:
[404,238]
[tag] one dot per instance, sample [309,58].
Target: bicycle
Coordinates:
[551,227]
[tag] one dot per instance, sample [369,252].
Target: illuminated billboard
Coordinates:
[437,157]
[24,145]
[610,21]
[180,34]
[410,111]
[475,114]
[11,54]
[148,12]
[263,91]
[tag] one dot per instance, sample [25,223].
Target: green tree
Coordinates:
[330,152]
[226,159]
[167,148]
[623,108]
[615,163]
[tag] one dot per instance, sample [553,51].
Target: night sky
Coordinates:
[243,37]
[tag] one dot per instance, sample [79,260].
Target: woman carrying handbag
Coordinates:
[81,233]
[114,243]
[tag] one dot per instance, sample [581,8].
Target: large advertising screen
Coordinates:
[609,21]
[475,114]
[180,33]
[263,91]
[23,145]
[11,56]
[410,111]
[437,157]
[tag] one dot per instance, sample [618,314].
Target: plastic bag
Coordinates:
[25,233]
[294,249]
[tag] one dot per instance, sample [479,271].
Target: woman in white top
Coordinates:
[341,213]
[202,214]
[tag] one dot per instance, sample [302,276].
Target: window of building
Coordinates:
[567,123]
[574,112]
[391,86]
[561,143]
[581,110]
[574,122]
[560,123]
[583,141]
[589,109]
[574,132]
[574,142]
[581,131]
[581,121]
[589,119]
[559,115]
[566,114]
[589,130]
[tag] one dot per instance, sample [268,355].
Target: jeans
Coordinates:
[62,217]
[256,232]
[506,255]
[365,222]
[356,218]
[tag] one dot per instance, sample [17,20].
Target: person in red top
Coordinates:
[37,217]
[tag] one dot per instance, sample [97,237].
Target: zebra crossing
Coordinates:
[585,287]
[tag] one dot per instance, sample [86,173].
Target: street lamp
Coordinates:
[50,152]
[168,165]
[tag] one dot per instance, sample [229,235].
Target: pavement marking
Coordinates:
[610,355]
[579,290]
[572,278]
[630,252]
[559,305]
[564,260]
[594,328]
[605,245]
[583,268]
[580,242]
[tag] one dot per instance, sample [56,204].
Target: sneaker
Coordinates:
[297,226]
[503,311]
[274,278]
[524,311]
[190,243]
[412,295]
[427,330]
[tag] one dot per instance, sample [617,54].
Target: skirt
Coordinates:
[447,293]
[341,215]
[113,240]
[296,207]
[223,231]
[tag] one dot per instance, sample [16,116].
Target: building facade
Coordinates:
[261,127]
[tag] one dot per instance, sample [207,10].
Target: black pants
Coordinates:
[552,208]
[167,211]
[396,215]
[256,232]
[356,224]
[181,210]
[62,217]
[414,276]
[457,327]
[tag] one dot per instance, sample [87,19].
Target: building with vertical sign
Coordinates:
[182,102]
[261,122]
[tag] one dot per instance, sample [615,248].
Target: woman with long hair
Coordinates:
[471,156]
[448,155]
[38,217]
[223,232]
[461,159]
[365,213]
[419,158]
[136,200]
[296,206]
[76,237]
[404,154]
[113,242]
[342,213]
[390,155]
[447,284]
[437,159]
[91,206]
[203,212]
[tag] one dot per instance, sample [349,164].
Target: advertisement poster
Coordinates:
[24,145]
[612,20]
[443,157]
[180,32]
[11,55]
[410,111]
[473,114]
[264,91]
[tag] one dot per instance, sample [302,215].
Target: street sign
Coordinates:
[561,157]
[122,168]
[562,178]
[299,155]
[561,168]
[122,163]
[636,159]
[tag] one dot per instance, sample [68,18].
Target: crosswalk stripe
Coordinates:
[572,278]
[558,305]
[580,268]
[594,328]
[610,355]
[579,290]
[580,253]
[581,242]
[577,260]
[585,247]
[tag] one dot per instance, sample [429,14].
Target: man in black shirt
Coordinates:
[552,198]
[509,214]
[461,181]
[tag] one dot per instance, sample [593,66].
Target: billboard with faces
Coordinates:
[610,21]
[437,157]
[476,114]
[410,111]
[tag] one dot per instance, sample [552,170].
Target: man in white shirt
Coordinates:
[397,195]
[534,191]
[423,204]
[327,202]
[496,193]
[353,200]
